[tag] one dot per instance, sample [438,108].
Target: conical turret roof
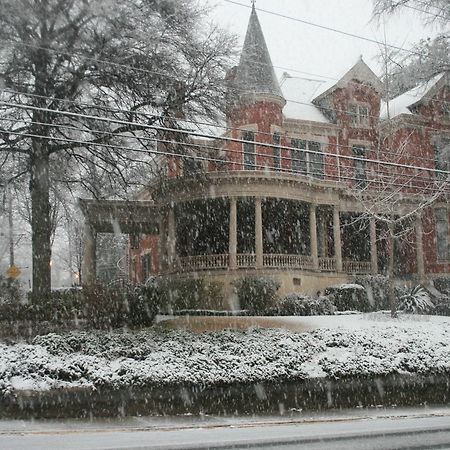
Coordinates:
[255,72]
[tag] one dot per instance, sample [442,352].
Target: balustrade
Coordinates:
[362,267]
[271,260]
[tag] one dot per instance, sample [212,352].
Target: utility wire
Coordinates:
[290,159]
[224,139]
[368,181]
[146,115]
[323,27]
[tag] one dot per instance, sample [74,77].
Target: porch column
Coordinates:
[258,233]
[171,238]
[89,263]
[313,235]
[337,238]
[419,248]
[373,247]
[233,234]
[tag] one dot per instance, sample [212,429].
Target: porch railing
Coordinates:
[270,260]
[204,262]
[327,264]
[246,260]
[283,261]
[362,267]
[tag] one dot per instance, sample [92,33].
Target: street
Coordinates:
[375,429]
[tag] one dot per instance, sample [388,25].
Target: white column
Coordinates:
[89,263]
[233,234]
[258,233]
[313,235]
[337,238]
[419,248]
[373,247]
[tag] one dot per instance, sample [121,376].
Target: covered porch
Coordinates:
[271,233]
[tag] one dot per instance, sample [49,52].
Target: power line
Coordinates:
[146,115]
[290,159]
[323,27]
[178,78]
[262,167]
[226,139]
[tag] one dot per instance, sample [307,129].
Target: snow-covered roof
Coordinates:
[299,93]
[359,71]
[402,103]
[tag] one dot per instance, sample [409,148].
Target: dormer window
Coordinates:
[359,115]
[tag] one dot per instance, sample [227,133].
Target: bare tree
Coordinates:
[82,77]
[428,57]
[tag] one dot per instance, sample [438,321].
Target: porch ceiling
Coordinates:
[109,216]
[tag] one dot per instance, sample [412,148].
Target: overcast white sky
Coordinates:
[301,47]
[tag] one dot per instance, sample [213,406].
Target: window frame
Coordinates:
[276,141]
[249,157]
[304,162]
[358,118]
[442,234]
[359,152]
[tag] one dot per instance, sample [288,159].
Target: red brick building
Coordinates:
[310,182]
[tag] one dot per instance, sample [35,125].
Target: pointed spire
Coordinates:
[255,72]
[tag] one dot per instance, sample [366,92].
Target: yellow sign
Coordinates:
[13,272]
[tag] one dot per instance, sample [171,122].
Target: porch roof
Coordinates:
[121,216]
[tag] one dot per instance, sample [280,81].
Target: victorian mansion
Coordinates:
[310,182]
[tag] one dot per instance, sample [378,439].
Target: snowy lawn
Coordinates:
[336,347]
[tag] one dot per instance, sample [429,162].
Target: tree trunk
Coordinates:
[40,219]
[390,274]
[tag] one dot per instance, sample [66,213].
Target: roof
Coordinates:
[299,93]
[403,103]
[359,71]
[255,71]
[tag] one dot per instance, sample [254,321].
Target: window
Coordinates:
[249,150]
[359,115]
[442,241]
[134,241]
[276,151]
[360,166]
[309,162]
[146,261]
[442,157]
[299,162]
[316,160]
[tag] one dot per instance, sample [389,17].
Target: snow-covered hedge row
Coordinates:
[155,357]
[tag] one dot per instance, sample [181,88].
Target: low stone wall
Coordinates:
[281,397]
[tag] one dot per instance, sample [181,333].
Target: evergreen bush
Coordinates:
[349,297]
[256,294]
[302,305]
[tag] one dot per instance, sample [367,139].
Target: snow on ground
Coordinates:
[336,347]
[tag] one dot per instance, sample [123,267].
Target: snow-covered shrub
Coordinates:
[104,307]
[302,305]
[349,297]
[142,302]
[416,301]
[189,293]
[256,294]
[377,290]
[442,284]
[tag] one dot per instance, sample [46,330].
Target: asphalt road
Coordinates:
[383,430]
